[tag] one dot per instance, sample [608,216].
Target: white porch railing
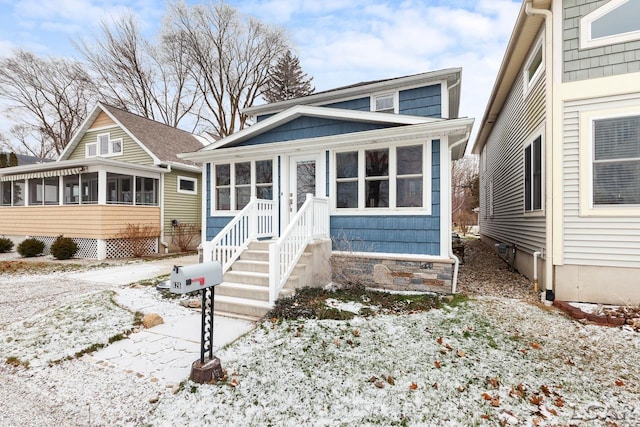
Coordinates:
[311,222]
[256,220]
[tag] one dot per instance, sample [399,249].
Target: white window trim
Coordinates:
[490,205]
[97,146]
[396,102]
[393,209]
[535,212]
[587,209]
[529,83]
[587,41]
[232,184]
[187,178]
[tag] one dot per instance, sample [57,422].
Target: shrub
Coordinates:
[63,248]
[184,235]
[31,247]
[5,245]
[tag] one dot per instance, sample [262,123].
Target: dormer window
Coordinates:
[615,22]
[384,103]
[104,147]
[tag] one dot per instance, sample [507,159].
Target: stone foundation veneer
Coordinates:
[393,272]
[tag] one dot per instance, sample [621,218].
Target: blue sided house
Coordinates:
[346,184]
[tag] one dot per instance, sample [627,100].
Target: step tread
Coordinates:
[243,301]
[236,285]
[248,273]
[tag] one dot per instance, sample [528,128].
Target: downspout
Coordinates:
[162,236]
[456,260]
[548,158]
[535,270]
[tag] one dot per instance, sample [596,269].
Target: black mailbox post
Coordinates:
[201,277]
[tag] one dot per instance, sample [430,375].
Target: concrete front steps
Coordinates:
[244,291]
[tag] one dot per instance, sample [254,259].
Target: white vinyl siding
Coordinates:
[596,240]
[502,181]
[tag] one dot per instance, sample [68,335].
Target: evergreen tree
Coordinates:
[287,81]
[4,161]
[13,159]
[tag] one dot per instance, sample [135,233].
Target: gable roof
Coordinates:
[27,160]
[160,141]
[523,36]
[451,75]
[320,112]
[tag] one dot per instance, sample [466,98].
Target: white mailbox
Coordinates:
[193,278]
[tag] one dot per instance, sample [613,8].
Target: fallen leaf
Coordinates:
[619,383]
[536,345]
[379,384]
[485,416]
[461,353]
[545,390]
[233,383]
[439,340]
[443,350]
[460,388]
[536,421]
[437,363]
[495,402]
[356,333]
[373,379]
[447,346]
[336,341]
[559,402]
[570,362]
[413,386]
[536,399]
[434,385]
[487,396]
[495,382]
[390,380]
[274,319]
[552,411]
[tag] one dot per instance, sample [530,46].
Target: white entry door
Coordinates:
[306,176]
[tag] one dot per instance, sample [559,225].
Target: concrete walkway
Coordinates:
[165,352]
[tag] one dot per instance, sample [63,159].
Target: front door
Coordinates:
[304,180]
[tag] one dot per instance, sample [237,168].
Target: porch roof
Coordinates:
[69,167]
[457,130]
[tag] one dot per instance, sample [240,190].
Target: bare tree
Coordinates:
[232,56]
[48,98]
[464,191]
[131,73]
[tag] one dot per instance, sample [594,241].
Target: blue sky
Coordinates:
[339,42]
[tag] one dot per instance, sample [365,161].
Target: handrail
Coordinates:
[311,222]
[255,221]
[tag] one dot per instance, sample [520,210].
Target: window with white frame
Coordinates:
[104,146]
[44,191]
[388,177]
[235,183]
[533,175]
[534,66]
[384,103]
[616,161]
[187,185]
[614,22]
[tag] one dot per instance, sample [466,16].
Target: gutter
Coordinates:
[548,144]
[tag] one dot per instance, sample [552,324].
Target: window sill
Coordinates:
[534,214]
[381,212]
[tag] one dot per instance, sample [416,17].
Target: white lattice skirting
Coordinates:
[115,248]
[87,248]
[125,248]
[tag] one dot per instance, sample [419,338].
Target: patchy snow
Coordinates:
[350,306]
[487,361]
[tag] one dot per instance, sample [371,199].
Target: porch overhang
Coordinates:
[457,130]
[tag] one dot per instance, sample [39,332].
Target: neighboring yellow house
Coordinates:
[118,169]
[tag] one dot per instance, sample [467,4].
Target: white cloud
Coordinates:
[5,47]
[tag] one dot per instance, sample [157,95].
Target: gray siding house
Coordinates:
[361,172]
[559,148]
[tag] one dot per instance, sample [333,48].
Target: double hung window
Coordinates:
[533,175]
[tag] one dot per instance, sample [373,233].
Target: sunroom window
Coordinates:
[146,191]
[89,187]
[377,178]
[43,191]
[236,183]
[616,161]
[5,189]
[391,177]
[18,191]
[119,189]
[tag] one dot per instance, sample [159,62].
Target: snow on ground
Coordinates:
[485,362]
